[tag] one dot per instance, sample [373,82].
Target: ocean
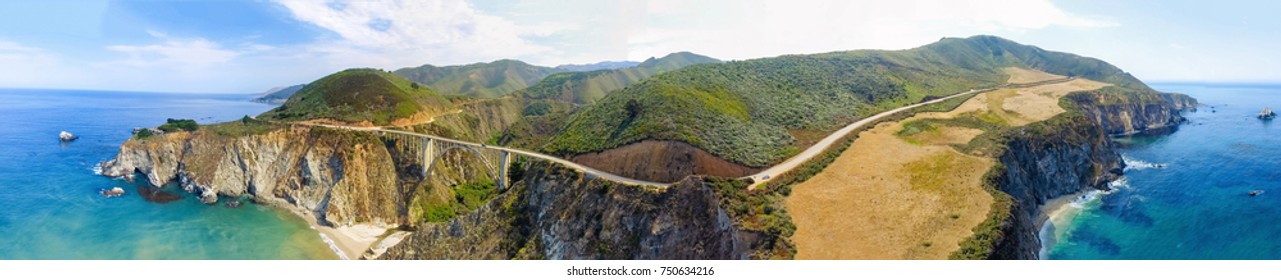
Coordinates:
[1185,195]
[51,208]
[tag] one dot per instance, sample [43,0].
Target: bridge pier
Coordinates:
[504,160]
[429,152]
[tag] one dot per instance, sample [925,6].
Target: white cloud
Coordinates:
[402,33]
[180,53]
[25,66]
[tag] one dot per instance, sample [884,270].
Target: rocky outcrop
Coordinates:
[557,213]
[1069,154]
[342,177]
[1122,112]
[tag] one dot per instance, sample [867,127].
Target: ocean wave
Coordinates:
[1134,164]
[333,246]
[97,169]
[1095,195]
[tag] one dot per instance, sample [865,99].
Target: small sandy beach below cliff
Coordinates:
[351,241]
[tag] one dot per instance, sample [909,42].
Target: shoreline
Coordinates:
[1057,210]
[1044,221]
[349,243]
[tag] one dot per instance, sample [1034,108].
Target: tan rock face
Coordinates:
[343,177]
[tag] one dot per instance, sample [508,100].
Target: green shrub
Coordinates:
[536,109]
[173,125]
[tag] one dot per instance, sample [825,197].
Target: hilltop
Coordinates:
[761,111]
[588,87]
[360,95]
[480,80]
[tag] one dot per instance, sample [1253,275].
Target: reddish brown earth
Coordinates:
[661,161]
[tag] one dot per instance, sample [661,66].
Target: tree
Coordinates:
[413,85]
[633,108]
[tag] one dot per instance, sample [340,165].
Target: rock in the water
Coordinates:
[113,192]
[156,195]
[67,136]
[232,204]
[209,197]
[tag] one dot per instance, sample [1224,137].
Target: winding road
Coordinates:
[591,172]
[758,178]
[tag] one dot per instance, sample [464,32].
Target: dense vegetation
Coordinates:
[174,125]
[588,87]
[358,95]
[760,210]
[481,80]
[743,111]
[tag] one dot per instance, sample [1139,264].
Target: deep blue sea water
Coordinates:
[1185,195]
[50,207]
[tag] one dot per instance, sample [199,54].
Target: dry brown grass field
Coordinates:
[916,197]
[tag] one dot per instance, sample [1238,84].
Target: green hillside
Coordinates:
[481,80]
[588,87]
[747,111]
[357,95]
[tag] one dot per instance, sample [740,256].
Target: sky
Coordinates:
[247,46]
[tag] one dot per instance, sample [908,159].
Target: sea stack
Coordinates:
[67,136]
[113,192]
[1267,114]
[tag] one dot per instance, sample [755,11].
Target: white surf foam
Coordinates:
[1134,164]
[1049,231]
[333,246]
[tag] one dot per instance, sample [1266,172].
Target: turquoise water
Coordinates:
[1185,195]
[50,207]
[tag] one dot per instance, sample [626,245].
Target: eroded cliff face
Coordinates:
[1124,114]
[1070,154]
[342,177]
[557,213]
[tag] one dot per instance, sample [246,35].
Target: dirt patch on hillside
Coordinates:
[946,135]
[661,161]
[1024,75]
[1042,102]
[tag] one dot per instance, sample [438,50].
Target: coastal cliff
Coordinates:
[340,177]
[1124,112]
[558,213]
[1069,154]
[346,178]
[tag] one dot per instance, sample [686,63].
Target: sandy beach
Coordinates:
[1054,213]
[351,241]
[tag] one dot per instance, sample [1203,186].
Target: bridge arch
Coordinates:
[488,164]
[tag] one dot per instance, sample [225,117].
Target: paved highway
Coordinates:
[762,177]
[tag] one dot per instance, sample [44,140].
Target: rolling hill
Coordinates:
[480,80]
[588,87]
[360,95]
[751,112]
